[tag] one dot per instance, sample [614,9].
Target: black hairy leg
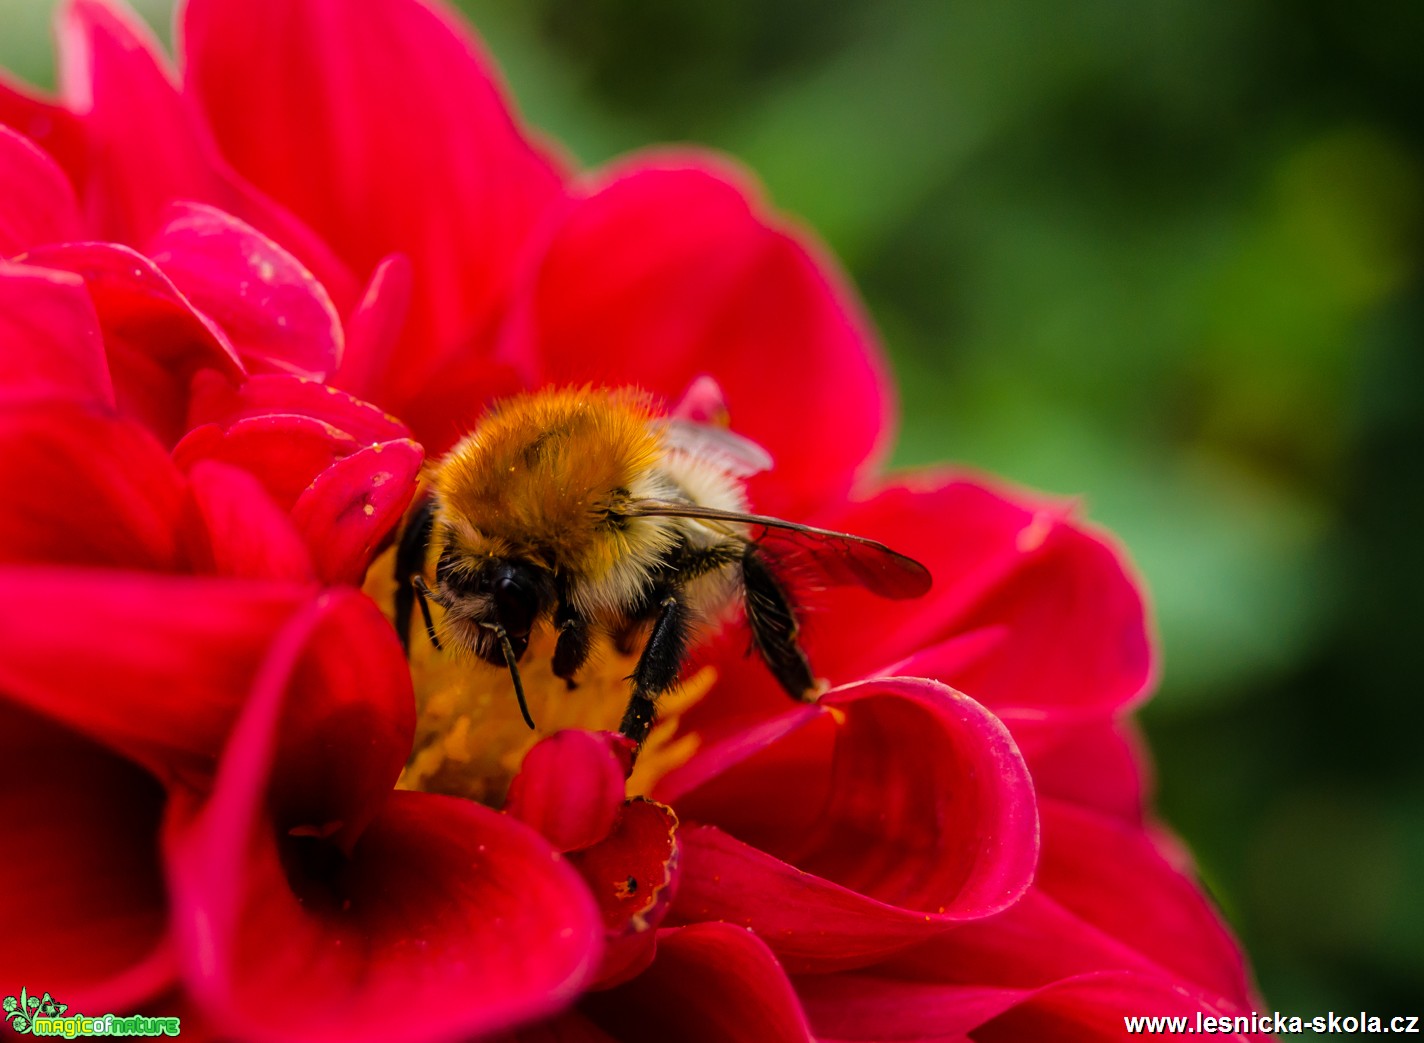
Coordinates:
[410,562]
[772,619]
[660,663]
[574,643]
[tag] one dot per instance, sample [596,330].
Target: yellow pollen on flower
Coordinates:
[470,739]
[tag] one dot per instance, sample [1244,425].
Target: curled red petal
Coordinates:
[900,790]
[344,721]
[165,661]
[222,402]
[237,530]
[59,455]
[276,314]
[154,337]
[570,787]
[285,452]
[672,269]
[53,348]
[352,507]
[386,903]
[134,298]
[632,873]
[710,983]
[94,939]
[37,203]
[446,921]
[403,143]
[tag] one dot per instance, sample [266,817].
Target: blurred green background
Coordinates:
[1165,255]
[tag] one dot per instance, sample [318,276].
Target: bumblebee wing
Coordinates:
[734,454]
[837,557]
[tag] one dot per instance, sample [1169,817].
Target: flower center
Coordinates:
[470,738]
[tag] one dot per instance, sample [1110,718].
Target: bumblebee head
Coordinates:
[493,601]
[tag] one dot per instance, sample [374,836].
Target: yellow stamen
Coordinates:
[470,739]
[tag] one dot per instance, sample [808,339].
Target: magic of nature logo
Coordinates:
[43,1015]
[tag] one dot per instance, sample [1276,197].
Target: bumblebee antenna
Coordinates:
[504,644]
[423,594]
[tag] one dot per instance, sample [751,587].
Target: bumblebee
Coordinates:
[591,511]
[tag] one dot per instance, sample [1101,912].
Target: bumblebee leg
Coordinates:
[659,664]
[422,592]
[772,619]
[410,562]
[575,642]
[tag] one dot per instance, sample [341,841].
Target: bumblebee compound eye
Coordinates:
[516,602]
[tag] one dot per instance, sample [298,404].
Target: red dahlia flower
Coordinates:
[239,306]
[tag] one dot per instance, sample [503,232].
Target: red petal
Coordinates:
[52,127]
[570,787]
[1090,1009]
[37,204]
[447,921]
[93,938]
[349,510]
[1097,765]
[276,314]
[1033,943]
[710,983]
[374,330]
[238,531]
[1058,622]
[156,340]
[1110,875]
[632,873]
[571,1027]
[165,662]
[812,924]
[386,903]
[150,142]
[672,270]
[447,407]
[221,402]
[1105,900]
[900,790]
[86,488]
[285,452]
[343,713]
[387,134]
[51,335]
